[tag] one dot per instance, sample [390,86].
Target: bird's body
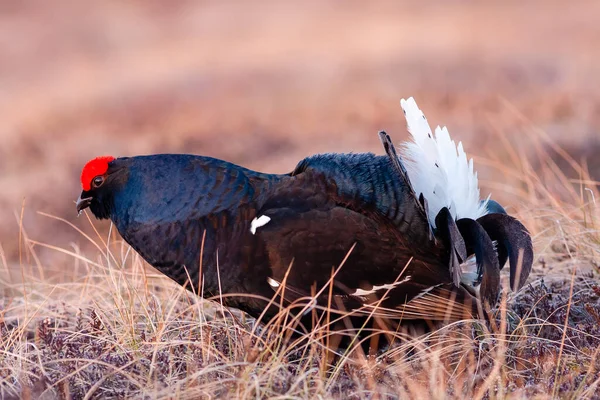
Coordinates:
[194,205]
[346,231]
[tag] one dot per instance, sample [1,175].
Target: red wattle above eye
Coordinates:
[93,168]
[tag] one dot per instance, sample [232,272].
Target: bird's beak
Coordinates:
[82,204]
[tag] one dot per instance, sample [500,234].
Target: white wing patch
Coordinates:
[274,284]
[361,292]
[258,222]
[439,169]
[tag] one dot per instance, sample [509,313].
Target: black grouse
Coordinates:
[401,237]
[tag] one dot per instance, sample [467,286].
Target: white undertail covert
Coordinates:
[439,169]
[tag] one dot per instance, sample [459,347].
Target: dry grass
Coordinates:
[110,327]
[265,83]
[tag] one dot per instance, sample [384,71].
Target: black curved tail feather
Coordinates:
[454,241]
[514,243]
[478,241]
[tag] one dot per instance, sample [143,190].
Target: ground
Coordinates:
[264,84]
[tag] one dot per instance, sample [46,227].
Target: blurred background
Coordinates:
[264,84]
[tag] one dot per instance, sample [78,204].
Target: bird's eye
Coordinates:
[98,181]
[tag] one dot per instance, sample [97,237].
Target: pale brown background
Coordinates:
[264,84]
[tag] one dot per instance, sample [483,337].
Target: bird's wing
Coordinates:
[375,186]
[320,250]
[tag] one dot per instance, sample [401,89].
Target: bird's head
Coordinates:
[99,179]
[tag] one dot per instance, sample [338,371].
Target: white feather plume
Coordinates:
[439,169]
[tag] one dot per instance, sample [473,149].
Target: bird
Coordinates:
[403,236]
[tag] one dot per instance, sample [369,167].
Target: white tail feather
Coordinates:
[439,169]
